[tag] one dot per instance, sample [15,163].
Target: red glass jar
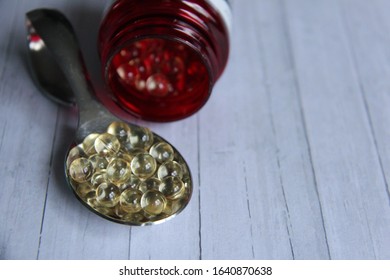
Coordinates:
[161,58]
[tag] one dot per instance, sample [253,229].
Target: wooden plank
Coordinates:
[289,157]
[350,182]
[304,211]
[369,42]
[25,147]
[243,212]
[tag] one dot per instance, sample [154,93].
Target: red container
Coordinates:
[161,58]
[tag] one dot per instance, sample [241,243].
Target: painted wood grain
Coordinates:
[347,168]
[369,43]
[297,179]
[26,142]
[290,156]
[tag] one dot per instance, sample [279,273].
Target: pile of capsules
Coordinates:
[158,67]
[129,175]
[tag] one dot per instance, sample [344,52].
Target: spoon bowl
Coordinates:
[122,172]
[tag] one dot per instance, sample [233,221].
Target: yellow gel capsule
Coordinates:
[119,213]
[124,155]
[119,129]
[133,217]
[130,200]
[143,165]
[172,187]
[162,152]
[74,153]
[81,170]
[89,144]
[98,178]
[107,195]
[132,182]
[149,184]
[135,151]
[98,162]
[174,205]
[90,198]
[128,217]
[140,137]
[168,210]
[84,189]
[107,145]
[153,202]
[106,211]
[118,171]
[171,168]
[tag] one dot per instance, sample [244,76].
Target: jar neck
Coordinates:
[168,30]
[189,36]
[195,23]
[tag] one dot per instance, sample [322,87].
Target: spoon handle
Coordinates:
[56,33]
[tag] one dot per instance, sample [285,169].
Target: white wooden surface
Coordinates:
[290,156]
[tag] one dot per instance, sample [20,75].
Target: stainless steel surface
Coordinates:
[61,47]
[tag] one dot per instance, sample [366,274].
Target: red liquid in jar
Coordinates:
[162,58]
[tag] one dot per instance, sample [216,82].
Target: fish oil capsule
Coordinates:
[107,145]
[98,178]
[91,200]
[119,213]
[128,217]
[133,217]
[149,184]
[84,189]
[130,200]
[172,187]
[118,171]
[162,152]
[132,182]
[158,85]
[140,137]
[119,129]
[106,211]
[153,202]
[107,194]
[81,170]
[154,218]
[171,168]
[74,153]
[143,165]
[168,210]
[135,151]
[89,144]
[98,162]
[124,155]
[173,206]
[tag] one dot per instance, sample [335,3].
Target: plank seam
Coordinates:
[199,184]
[302,114]
[363,94]
[2,135]
[48,183]
[365,102]
[249,209]
[272,123]
[129,250]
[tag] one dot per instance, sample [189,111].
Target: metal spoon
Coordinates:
[120,171]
